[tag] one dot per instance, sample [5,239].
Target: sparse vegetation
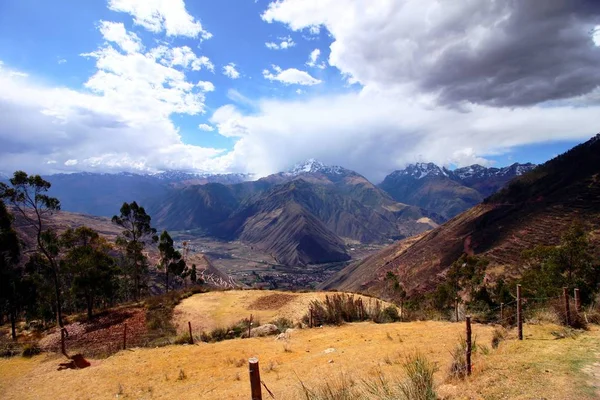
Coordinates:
[340,308]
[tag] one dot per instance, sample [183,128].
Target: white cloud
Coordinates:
[122,122]
[313,58]
[299,91]
[62,61]
[484,52]
[314,29]
[596,35]
[115,32]
[290,76]
[375,132]
[284,43]
[237,97]
[156,16]
[181,56]
[230,71]
[206,86]
[206,127]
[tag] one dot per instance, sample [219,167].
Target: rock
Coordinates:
[264,330]
[329,350]
[285,335]
[330,361]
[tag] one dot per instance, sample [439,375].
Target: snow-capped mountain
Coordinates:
[479,172]
[448,192]
[312,166]
[179,176]
[421,170]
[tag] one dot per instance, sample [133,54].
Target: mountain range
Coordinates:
[309,214]
[536,208]
[445,192]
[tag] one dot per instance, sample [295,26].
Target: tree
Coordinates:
[28,195]
[193,274]
[170,259]
[10,273]
[89,265]
[137,232]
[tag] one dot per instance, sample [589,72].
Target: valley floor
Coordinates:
[538,367]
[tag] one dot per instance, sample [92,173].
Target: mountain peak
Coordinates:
[312,166]
[421,170]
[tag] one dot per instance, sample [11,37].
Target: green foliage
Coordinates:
[136,233]
[465,274]
[30,350]
[419,384]
[550,268]
[11,275]
[92,272]
[170,259]
[283,323]
[340,308]
[27,194]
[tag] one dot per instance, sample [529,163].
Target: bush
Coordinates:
[283,324]
[497,336]
[458,367]
[340,308]
[30,350]
[419,384]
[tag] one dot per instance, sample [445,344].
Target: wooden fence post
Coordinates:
[456,307]
[577,301]
[519,313]
[567,308]
[469,344]
[501,313]
[254,379]
[124,336]
[191,337]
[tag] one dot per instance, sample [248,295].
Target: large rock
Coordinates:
[264,330]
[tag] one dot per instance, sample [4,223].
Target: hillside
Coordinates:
[534,209]
[303,216]
[446,192]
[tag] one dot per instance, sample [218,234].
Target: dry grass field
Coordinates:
[539,367]
[211,310]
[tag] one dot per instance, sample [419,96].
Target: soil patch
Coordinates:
[103,335]
[271,301]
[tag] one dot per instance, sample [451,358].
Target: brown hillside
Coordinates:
[534,209]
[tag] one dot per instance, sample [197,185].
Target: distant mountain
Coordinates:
[488,181]
[536,208]
[281,213]
[103,194]
[446,192]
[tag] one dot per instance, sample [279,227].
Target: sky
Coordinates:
[256,86]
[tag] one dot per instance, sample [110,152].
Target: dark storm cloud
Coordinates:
[537,51]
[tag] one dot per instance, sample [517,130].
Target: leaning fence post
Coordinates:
[567,309]
[469,343]
[519,313]
[577,301]
[124,336]
[254,379]
[191,337]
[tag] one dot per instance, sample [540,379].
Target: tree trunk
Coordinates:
[167,280]
[13,322]
[90,303]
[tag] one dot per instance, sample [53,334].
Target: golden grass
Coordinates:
[211,310]
[538,367]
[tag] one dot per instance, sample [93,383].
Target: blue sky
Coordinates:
[110,85]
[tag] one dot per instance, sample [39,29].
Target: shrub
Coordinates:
[283,324]
[419,384]
[458,367]
[30,350]
[497,336]
[340,308]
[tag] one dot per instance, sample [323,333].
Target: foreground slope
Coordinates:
[361,351]
[534,209]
